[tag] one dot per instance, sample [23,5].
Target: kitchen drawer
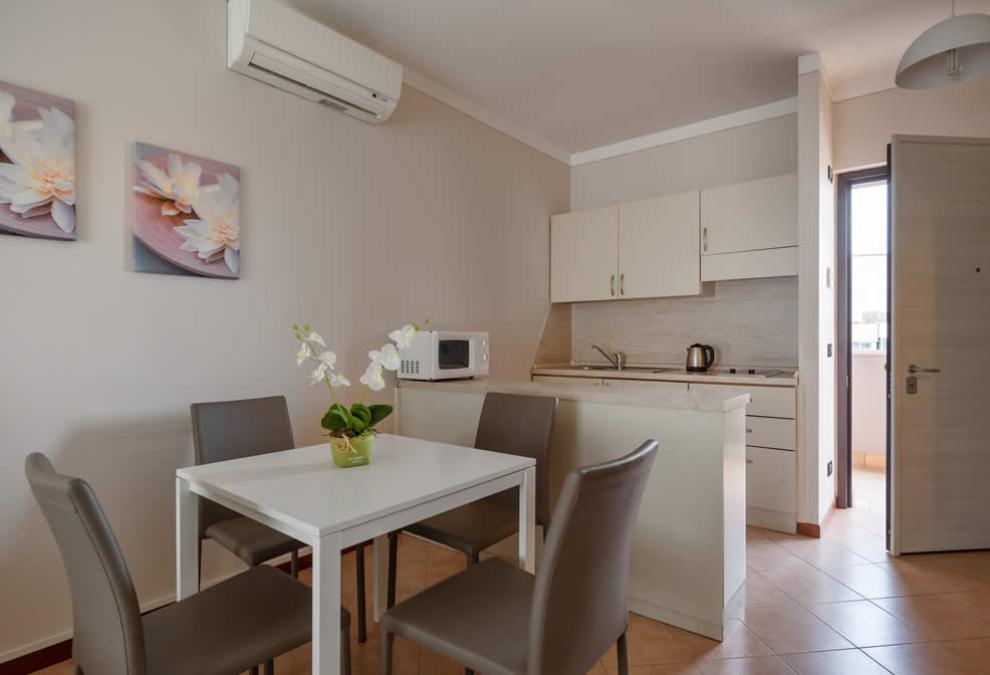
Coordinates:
[765,401]
[771,480]
[770,432]
[646,385]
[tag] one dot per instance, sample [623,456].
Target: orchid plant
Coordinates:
[359,420]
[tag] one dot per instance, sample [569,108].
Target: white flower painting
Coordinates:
[186,216]
[37,164]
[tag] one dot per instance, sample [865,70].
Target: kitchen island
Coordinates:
[688,560]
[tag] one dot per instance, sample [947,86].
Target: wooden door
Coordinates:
[583,255]
[659,247]
[940,323]
[750,216]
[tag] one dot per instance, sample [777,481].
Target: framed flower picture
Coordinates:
[186,214]
[37,164]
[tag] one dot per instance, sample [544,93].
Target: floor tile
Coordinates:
[949,616]
[756,665]
[834,663]
[926,658]
[792,630]
[875,581]
[864,624]
[974,652]
[761,593]
[929,571]
[823,552]
[806,584]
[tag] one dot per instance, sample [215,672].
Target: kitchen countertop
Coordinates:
[788,379]
[688,400]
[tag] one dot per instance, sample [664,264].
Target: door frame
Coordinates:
[843,307]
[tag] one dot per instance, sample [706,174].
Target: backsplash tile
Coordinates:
[751,322]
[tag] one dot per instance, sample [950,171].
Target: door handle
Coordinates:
[612,286]
[704,239]
[914,370]
[622,284]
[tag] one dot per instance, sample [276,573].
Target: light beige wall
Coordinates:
[752,151]
[352,227]
[750,322]
[864,125]
[869,398]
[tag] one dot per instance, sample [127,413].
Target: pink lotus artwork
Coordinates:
[186,214]
[37,164]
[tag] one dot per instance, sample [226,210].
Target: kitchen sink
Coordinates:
[596,368]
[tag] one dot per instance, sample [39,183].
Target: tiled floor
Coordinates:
[813,606]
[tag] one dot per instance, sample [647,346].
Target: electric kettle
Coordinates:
[700,358]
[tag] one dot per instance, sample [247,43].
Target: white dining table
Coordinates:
[303,494]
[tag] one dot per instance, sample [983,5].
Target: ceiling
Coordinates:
[580,74]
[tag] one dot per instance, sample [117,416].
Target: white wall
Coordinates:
[816,219]
[351,227]
[869,403]
[864,125]
[748,152]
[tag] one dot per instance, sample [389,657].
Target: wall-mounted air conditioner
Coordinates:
[277,45]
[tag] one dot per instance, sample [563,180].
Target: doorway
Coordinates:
[863,340]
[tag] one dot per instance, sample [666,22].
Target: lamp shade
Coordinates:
[954,50]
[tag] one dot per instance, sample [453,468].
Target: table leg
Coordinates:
[527,520]
[326,605]
[380,573]
[186,540]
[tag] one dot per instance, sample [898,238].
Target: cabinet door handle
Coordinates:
[704,239]
[749,431]
[612,286]
[622,284]
[749,461]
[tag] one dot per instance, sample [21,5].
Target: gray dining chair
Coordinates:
[509,423]
[232,429]
[223,630]
[500,620]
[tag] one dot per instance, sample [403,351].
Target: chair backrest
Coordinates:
[108,636]
[579,596]
[520,425]
[232,429]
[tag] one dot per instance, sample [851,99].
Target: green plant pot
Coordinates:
[355,453]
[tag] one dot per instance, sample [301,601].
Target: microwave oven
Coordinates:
[445,355]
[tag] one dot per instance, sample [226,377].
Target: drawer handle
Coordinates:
[749,431]
[749,461]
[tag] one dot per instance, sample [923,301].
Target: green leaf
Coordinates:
[362,412]
[336,418]
[379,411]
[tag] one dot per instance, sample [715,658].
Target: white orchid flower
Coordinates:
[387,357]
[338,380]
[372,377]
[329,358]
[403,337]
[304,353]
[216,235]
[42,178]
[178,186]
[318,375]
[315,338]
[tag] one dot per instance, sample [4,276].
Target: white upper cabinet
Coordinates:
[750,216]
[659,247]
[583,255]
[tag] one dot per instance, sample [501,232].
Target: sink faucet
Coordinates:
[617,359]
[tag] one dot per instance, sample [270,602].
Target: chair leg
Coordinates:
[345,656]
[254,670]
[472,559]
[270,667]
[386,653]
[294,564]
[361,610]
[393,561]
[622,651]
